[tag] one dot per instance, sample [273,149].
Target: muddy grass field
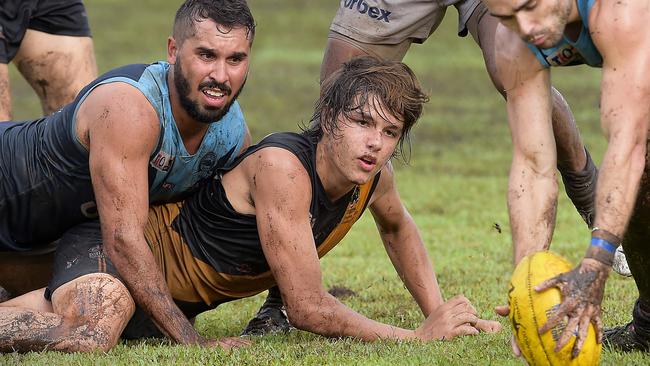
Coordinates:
[455,188]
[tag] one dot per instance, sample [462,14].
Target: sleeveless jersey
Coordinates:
[210,254]
[45,185]
[568,52]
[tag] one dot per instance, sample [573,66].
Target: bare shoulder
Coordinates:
[516,63]
[614,25]
[276,171]
[117,107]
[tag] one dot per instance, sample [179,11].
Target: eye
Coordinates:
[391,133]
[236,60]
[362,122]
[206,56]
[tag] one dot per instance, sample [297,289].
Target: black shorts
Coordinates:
[80,252]
[59,17]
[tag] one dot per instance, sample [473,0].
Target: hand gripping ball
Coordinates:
[529,310]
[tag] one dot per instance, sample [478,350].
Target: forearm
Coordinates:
[532,202]
[618,183]
[147,285]
[412,263]
[325,315]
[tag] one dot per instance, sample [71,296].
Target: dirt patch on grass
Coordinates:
[341,292]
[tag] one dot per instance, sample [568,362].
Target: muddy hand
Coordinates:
[582,292]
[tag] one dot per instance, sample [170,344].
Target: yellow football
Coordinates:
[529,310]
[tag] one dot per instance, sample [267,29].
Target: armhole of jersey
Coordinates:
[539,55]
[128,81]
[242,128]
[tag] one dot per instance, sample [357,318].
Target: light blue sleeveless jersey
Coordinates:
[45,183]
[173,172]
[569,53]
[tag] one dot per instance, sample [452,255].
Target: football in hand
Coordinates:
[530,309]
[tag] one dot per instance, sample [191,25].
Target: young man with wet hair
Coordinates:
[386,29]
[265,219]
[601,34]
[137,135]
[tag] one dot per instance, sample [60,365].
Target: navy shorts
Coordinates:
[80,252]
[59,17]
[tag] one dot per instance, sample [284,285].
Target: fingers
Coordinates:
[567,333]
[598,323]
[462,302]
[465,330]
[553,282]
[233,342]
[566,307]
[582,336]
[502,310]
[488,326]
[464,318]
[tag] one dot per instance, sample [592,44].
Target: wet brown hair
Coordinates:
[228,14]
[366,80]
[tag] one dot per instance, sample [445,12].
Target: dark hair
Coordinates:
[357,83]
[228,14]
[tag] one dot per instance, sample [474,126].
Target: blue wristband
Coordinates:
[602,243]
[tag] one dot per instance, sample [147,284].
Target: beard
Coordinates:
[192,107]
[562,11]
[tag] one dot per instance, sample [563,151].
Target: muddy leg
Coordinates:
[88,314]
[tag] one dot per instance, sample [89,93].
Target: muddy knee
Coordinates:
[95,309]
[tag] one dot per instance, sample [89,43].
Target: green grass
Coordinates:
[455,187]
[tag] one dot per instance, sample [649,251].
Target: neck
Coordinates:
[334,183]
[191,131]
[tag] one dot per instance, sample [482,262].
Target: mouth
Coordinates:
[367,162]
[214,97]
[537,40]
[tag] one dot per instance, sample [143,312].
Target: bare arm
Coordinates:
[404,244]
[625,114]
[532,186]
[625,109]
[406,249]
[122,132]
[282,211]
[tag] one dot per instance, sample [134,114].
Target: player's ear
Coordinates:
[172,50]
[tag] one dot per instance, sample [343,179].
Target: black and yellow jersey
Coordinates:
[210,254]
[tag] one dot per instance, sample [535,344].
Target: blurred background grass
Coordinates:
[455,187]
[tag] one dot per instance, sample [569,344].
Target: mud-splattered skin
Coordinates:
[582,292]
[119,154]
[88,314]
[363,144]
[44,61]
[635,242]
[624,114]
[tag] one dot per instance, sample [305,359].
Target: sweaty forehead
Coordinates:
[207,29]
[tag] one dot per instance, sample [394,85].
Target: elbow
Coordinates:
[118,242]
[300,316]
[312,314]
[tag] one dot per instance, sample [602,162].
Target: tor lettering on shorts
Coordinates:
[373,12]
